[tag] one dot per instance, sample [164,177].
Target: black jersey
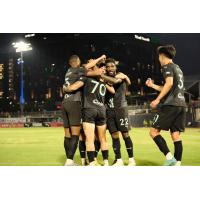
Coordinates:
[73,75]
[93,93]
[117,100]
[175,96]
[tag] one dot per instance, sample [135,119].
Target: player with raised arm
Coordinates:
[117,114]
[172,112]
[71,106]
[94,113]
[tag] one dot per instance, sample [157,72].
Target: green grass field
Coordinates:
[44,147]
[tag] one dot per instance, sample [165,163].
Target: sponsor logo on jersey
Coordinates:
[180,96]
[67,95]
[95,101]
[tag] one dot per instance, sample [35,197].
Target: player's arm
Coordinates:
[150,84]
[94,62]
[124,77]
[73,87]
[110,79]
[94,73]
[166,88]
[110,88]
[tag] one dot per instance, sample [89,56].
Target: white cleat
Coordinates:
[119,163]
[106,163]
[178,163]
[70,162]
[93,163]
[131,162]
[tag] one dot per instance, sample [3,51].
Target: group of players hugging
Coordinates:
[95,100]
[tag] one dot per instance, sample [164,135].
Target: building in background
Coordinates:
[11,92]
[1,80]
[45,66]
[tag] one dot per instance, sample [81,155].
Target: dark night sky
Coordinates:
[187,46]
[188,50]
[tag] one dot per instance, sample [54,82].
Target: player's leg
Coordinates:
[178,147]
[178,127]
[74,115]
[75,133]
[82,148]
[163,121]
[67,139]
[162,145]
[129,148]
[112,127]
[122,122]
[117,149]
[101,130]
[89,129]
[97,146]
[67,136]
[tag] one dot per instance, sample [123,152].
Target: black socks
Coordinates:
[82,149]
[97,147]
[116,148]
[178,150]
[90,155]
[73,146]
[105,154]
[66,145]
[129,146]
[162,145]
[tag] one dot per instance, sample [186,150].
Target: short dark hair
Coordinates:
[73,57]
[101,64]
[110,60]
[168,50]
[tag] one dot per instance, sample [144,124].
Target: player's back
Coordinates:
[73,75]
[175,96]
[93,93]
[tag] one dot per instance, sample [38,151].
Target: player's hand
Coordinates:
[64,88]
[155,103]
[103,57]
[149,82]
[121,76]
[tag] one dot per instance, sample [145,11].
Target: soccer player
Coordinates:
[171,114]
[71,106]
[117,114]
[94,114]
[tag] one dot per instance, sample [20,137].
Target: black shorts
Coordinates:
[170,117]
[71,113]
[94,116]
[117,120]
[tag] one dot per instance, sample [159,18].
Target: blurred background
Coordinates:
[45,63]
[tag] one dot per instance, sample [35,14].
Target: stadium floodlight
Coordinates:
[21,47]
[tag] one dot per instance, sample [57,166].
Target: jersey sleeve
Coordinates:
[82,71]
[83,79]
[168,72]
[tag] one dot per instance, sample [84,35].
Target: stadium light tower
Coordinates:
[20,48]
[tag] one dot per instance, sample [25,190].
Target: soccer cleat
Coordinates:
[84,162]
[70,162]
[178,163]
[94,163]
[171,162]
[119,162]
[106,163]
[131,162]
